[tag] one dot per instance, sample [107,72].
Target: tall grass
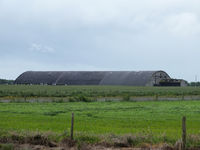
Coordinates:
[93,91]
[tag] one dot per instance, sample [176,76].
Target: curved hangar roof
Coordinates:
[140,78]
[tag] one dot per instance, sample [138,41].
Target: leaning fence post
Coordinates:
[184,133]
[72,127]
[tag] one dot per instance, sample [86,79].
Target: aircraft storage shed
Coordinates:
[134,78]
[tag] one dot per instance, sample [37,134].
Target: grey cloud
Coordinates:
[183,24]
[41,48]
[95,35]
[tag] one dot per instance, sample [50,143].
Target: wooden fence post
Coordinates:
[184,133]
[72,127]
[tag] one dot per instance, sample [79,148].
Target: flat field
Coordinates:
[103,118]
[151,121]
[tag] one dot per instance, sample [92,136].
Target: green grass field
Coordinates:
[92,91]
[158,121]
[103,118]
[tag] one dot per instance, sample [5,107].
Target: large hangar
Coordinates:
[134,78]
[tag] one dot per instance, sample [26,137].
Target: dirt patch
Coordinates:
[39,141]
[65,147]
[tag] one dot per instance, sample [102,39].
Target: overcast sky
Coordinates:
[62,35]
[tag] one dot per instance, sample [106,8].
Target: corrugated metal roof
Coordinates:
[136,78]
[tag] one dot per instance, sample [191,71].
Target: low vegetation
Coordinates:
[120,123]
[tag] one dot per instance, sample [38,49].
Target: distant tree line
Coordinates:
[194,84]
[4,81]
